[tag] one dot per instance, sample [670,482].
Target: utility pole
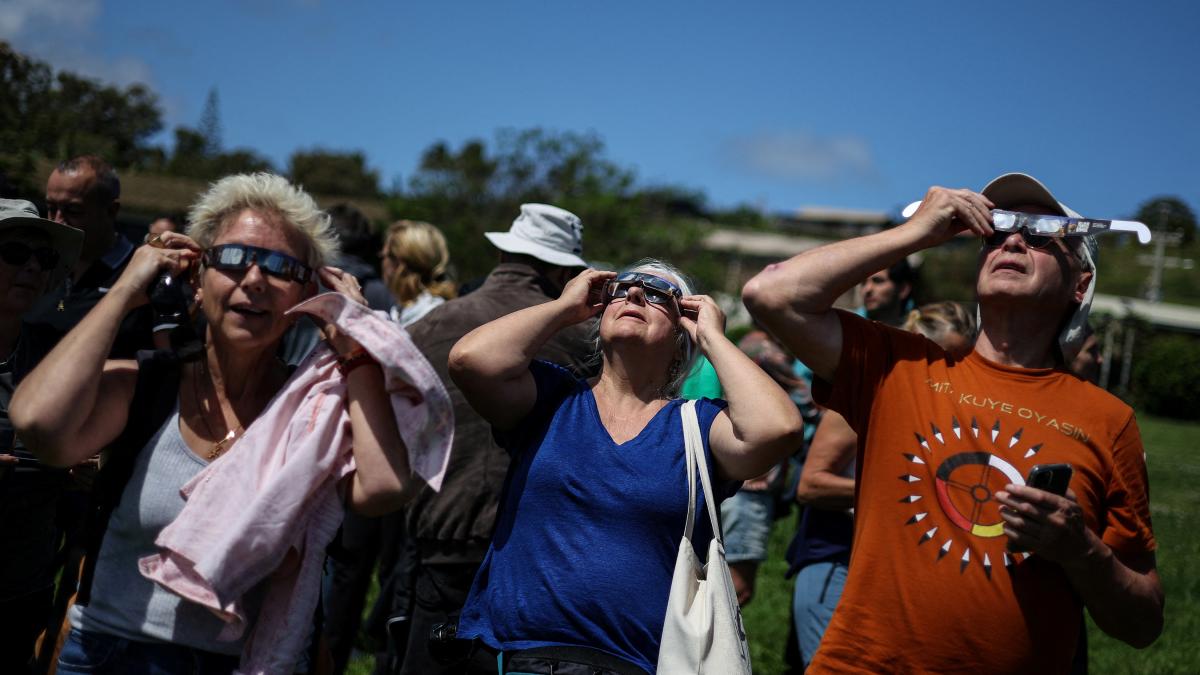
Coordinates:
[1162,239]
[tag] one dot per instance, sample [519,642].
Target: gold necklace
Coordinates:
[221,445]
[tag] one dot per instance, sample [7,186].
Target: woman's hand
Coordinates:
[170,253]
[703,319]
[341,281]
[583,296]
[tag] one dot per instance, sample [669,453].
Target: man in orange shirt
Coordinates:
[958,565]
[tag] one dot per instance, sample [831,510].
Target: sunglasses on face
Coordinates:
[239,257]
[658,291]
[997,239]
[17,253]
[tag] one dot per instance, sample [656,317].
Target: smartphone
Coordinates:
[1050,477]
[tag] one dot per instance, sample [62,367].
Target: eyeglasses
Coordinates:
[238,257]
[658,291]
[1062,226]
[17,253]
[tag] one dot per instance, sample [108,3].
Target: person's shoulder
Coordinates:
[1093,397]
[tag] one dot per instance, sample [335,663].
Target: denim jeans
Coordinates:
[746,520]
[818,589]
[90,652]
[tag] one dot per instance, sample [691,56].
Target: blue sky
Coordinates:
[781,105]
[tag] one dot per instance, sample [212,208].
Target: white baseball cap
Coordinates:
[545,232]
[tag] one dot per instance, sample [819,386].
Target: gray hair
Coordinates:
[1075,329]
[269,194]
[686,353]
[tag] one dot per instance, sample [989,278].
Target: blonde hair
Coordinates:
[270,195]
[937,319]
[422,259]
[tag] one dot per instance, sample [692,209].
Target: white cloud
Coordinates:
[16,15]
[62,33]
[802,156]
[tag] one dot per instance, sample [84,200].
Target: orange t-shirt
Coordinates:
[932,587]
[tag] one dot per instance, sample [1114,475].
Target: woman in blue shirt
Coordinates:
[580,564]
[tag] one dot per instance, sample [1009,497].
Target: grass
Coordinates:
[1174,467]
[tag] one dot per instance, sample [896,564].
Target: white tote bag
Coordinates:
[702,632]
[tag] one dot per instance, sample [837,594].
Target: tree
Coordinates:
[1171,214]
[474,189]
[210,124]
[192,158]
[57,116]
[334,173]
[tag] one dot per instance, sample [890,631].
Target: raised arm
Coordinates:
[761,426]
[75,401]
[490,364]
[382,481]
[794,299]
[823,480]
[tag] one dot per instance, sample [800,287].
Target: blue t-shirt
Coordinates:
[588,531]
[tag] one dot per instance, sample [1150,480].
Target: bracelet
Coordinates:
[356,358]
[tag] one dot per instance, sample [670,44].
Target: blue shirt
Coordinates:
[588,532]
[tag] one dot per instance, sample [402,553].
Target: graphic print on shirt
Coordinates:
[961,473]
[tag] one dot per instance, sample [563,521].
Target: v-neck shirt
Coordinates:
[589,529]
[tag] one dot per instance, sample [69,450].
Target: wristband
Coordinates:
[357,357]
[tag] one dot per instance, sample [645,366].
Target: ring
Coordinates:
[155,240]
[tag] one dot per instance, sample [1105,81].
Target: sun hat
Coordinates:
[1018,189]
[65,239]
[545,232]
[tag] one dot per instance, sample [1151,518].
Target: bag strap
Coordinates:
[696,462]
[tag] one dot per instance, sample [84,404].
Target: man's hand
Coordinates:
[1045,523]
[945,213]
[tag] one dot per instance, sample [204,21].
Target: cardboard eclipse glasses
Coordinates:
[1054,226]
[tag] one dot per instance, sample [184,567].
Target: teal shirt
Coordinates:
[702,382]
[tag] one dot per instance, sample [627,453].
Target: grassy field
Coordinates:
[1173,450]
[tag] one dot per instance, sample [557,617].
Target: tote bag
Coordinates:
[702,631]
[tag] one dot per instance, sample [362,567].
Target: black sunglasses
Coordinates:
[238,257]
[17,253]
[658,291]
[998,237]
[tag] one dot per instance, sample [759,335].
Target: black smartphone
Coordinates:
[1050,477]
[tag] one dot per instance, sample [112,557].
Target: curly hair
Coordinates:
[270,195]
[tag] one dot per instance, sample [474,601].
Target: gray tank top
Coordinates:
[123,602]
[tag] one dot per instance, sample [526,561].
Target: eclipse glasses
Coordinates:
[658,291]
[239,257]
[1038,225]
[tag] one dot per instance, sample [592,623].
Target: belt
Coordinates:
[563,660]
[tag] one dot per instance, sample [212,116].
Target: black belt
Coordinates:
[560,660]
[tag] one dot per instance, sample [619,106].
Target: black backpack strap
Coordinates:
[154,398]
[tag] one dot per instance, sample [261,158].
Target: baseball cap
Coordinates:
[545,232]
[1019,189]
[65,239]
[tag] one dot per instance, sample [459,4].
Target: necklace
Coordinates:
[223,444]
